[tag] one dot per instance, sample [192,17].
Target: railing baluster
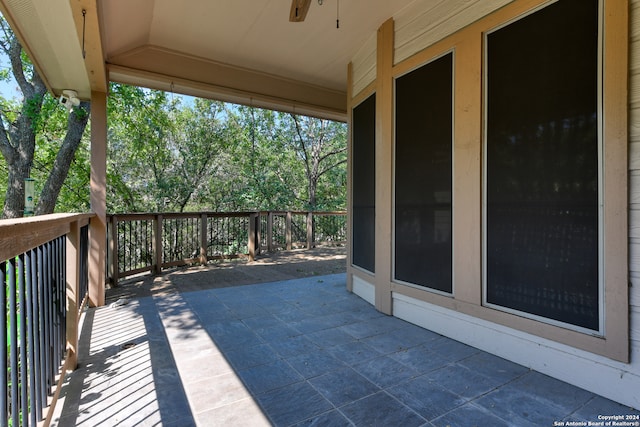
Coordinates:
[47,317]
[33,318]
[41,383]
[13,340]
[22,337]
[30,263]
[4,409]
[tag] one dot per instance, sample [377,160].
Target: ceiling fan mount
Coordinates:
[299,9]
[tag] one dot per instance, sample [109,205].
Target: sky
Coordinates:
[8,89]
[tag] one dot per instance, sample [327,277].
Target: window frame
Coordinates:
[394,279]
[468,192]
[600,152]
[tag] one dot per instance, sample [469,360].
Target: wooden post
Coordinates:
[253,219]
[258,237]
[113,251]
[73,293]
[98,198]
[288,231]
[203,239]
[310,242]
[157,245]
[270,231]
[384,167]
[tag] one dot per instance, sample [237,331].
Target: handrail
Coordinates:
[149,242]
[18,235]
[43,276]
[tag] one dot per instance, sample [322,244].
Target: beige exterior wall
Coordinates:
[634,177]
[425,30]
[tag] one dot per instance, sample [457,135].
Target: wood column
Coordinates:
[384,167]
[98,225]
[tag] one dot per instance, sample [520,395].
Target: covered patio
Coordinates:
[302,351]
[423,259]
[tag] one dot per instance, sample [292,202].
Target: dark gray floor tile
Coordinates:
[463,381]
[248,357]
[343,386]
[452,350]
[290,313]
[373,327]
[391,342]
[293,403]
[315,364]
[330,337]
[354,352]
[600,406]
[493,366]
[427,398]
[385,371]
[328,419]
[555,392]
[232,334]
[247,310]
[260,323]
[470,415]
[381,409]
[277,332]
[212,316]
[203,300]
[320,323]
[520,407]
[293,346]
[270,376]
[421,359]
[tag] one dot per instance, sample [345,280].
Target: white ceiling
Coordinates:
[252,34]
[243,51]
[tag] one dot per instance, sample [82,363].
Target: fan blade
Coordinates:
[299,9]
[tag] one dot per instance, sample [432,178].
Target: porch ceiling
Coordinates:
[243,51]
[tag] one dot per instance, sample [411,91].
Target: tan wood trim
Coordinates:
[98,196]
[53,400]
[350,105]
[384,167]
[72,293]
[19,235]
[94,60]
[558,334]
[206,79]
[468,129]
[467,170]
[615,134]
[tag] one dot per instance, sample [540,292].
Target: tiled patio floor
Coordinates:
[297,352]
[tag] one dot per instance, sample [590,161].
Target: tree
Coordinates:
[19,127]
[168,154]
[322,148]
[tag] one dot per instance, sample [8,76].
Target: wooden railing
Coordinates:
[149,242]
[44,277]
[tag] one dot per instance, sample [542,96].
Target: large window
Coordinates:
[364,184]
[543,174]
[423,170]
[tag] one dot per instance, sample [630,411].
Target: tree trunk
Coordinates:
[75,129]
[14,200]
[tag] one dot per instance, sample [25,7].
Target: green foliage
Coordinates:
[51,131]
[168,154]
